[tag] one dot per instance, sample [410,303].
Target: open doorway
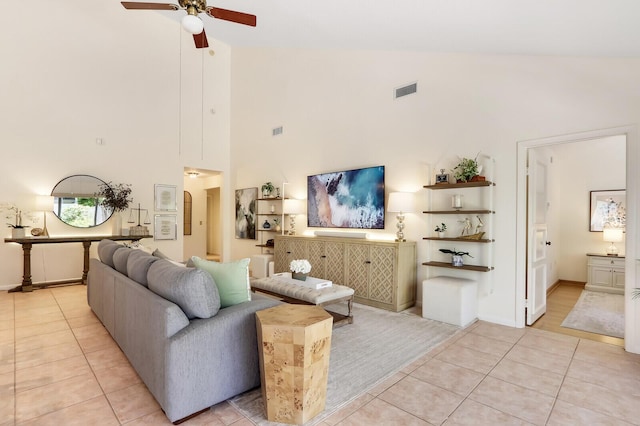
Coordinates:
[567,228]
[205,239]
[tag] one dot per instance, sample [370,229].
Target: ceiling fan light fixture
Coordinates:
[192,24]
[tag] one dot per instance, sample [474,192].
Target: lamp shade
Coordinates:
[612,235]
[400,202]
[293,206]
[44,203]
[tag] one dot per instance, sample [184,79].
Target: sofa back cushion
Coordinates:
[120,258]
[190,288]
[231,278]
[138,265]
[106,248]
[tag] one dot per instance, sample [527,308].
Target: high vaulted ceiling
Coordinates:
[531,27]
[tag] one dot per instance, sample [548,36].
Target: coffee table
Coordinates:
[288,290]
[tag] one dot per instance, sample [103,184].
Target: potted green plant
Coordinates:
[267,189]
[467,170]
[456,256]
[440,229]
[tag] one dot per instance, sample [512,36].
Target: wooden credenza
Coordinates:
[605,273]
[382,273]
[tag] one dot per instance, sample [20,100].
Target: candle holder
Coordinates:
[456,201]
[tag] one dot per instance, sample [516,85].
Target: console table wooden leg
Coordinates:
[85,271]
[27,284]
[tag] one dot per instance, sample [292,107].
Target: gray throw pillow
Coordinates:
[138,266]
[106,248]
[160,255]
[192,289]
[120,257]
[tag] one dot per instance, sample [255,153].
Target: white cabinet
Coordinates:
[605,273]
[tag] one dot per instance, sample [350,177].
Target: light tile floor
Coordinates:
[58,366]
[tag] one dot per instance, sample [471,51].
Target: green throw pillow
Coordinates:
[231,278]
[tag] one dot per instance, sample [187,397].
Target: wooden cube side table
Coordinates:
[295,344]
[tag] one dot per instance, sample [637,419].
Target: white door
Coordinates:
[537,206]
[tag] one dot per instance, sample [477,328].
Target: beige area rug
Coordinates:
[375,346]
[598,312]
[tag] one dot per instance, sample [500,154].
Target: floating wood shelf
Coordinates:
[464,240]
[460,185]
[476,268]
[461,211]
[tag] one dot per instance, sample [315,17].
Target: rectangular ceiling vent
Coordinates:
[277,131]
[406,90]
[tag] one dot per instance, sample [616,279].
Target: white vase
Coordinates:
[440,234]
[456,260]
[116,224]
[17,233]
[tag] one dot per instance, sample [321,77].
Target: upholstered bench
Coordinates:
[289,291]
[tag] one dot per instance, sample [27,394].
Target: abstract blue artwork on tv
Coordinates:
[347,199]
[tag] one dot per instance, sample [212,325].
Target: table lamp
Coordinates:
[292,207]
[400,203]
[44,204]
[612,235]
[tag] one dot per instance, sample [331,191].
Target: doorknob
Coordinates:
[548,243]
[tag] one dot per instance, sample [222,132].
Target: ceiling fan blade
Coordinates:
[201,40]
[151,6]
[231,15]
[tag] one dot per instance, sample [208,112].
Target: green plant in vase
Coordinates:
[466,169]
[267,189]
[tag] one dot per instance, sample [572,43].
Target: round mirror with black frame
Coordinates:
[76,202]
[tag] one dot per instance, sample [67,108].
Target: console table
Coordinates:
[27,244]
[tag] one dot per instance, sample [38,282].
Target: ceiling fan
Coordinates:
[191,22]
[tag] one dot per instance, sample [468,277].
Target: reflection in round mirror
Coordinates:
[75,202]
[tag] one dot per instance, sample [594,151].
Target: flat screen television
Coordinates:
[346,199]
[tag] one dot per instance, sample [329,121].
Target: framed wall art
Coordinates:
[165,198]
[165,227]
[246,209]
[607,208]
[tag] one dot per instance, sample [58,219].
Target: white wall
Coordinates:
[95,70]
[579,168]
[337,111]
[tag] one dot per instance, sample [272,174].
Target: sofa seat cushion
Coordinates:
[193,290]
[231,278]
[106,248]
[138,265]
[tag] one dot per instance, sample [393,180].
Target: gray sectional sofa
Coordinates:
[167,321]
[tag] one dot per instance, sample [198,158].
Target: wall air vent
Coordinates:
[276,131]
[405,90]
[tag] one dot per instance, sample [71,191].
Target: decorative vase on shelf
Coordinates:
[266,225]
[299,276]
[456,260]
[440,234]
[17,233]
[278,228]
[116,224]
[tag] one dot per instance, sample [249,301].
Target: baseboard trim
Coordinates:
[555,285]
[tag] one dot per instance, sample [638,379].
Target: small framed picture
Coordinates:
[165,227]
[442,177]
[165,198]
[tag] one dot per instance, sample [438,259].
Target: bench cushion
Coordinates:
[288,287]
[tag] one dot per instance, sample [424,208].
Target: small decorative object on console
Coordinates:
[300,268]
